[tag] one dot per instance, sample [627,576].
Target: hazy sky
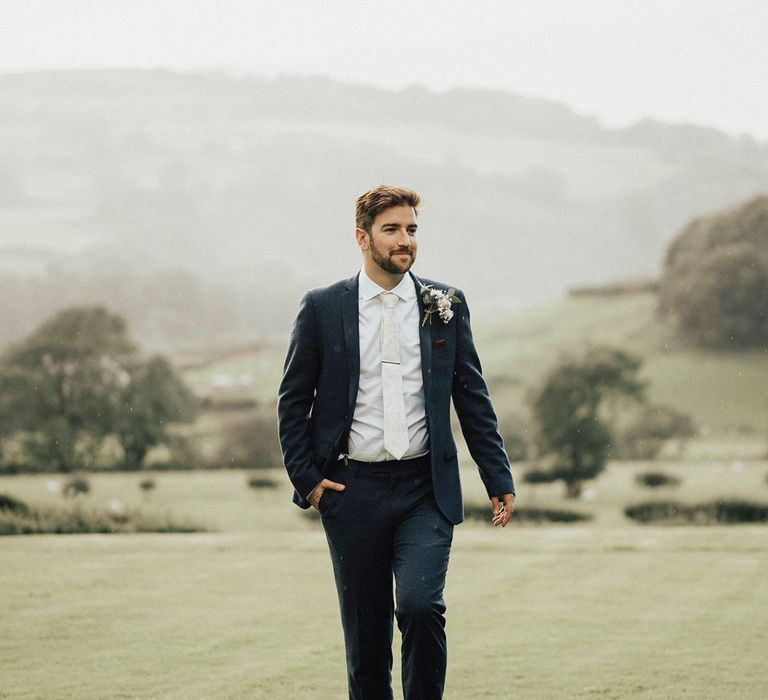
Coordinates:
[676,60]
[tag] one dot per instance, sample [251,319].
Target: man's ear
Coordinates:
[363,238]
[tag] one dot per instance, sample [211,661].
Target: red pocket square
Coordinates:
[441,343]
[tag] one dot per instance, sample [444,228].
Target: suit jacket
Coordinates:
[318,391]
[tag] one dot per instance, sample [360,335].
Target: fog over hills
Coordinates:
[200,205]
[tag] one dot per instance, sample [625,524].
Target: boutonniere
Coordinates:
[438,301]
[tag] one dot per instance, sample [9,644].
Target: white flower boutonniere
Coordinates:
[438,301]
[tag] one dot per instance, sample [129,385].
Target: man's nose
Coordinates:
[403,239]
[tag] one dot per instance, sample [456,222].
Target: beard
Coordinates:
[388,263]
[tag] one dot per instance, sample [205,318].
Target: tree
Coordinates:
[77,379]
[715,280]
[60,385]
[153,397]
[570,431]
[514,431]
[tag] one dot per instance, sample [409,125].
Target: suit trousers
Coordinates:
[386,524]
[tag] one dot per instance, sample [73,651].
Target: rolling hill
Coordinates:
[201,205]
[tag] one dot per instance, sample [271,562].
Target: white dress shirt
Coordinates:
[366,437]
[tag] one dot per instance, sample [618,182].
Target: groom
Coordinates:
[364,420]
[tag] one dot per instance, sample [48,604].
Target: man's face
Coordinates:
[392,242]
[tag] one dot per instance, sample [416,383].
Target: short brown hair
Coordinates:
[371,203]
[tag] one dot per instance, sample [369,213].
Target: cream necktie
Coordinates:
[395,427]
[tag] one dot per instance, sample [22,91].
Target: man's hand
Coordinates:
[317,492]
[502,512]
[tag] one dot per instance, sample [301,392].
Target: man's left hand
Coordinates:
[501,513]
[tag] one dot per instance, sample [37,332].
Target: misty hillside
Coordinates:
[723,391]
[200,205]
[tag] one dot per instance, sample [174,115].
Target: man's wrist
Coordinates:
[309,495]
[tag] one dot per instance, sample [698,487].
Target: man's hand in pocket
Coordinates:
[317,492]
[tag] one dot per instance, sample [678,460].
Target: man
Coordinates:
[365,430]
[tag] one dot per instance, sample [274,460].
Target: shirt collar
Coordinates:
[405,289]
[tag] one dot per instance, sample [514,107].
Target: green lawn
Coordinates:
[568,612]
[608,610]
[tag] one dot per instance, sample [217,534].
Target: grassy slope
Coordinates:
[722,391]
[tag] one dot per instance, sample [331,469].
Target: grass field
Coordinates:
[570,612]
[605,610]
[723,391]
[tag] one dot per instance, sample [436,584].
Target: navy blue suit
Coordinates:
[321,375]
[394,517]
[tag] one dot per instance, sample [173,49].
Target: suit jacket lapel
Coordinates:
[425,340]
[349,316]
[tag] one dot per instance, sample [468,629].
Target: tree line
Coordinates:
[75,382]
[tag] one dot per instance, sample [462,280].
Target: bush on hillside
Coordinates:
[9,504]
[715,280]
[647,434]
[70,520]
[654,480]
[256,482]
[76,486]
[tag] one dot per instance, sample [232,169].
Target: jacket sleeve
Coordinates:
[474,409]
[296,397]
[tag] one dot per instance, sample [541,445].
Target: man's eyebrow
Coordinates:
[392,223]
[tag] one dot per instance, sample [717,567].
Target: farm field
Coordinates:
[609,609]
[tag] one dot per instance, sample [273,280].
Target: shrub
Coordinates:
[723,511]
[541,476]
[9,504]
[77,520]
[256,482]
[654,480]
[76,485]
[738,511]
